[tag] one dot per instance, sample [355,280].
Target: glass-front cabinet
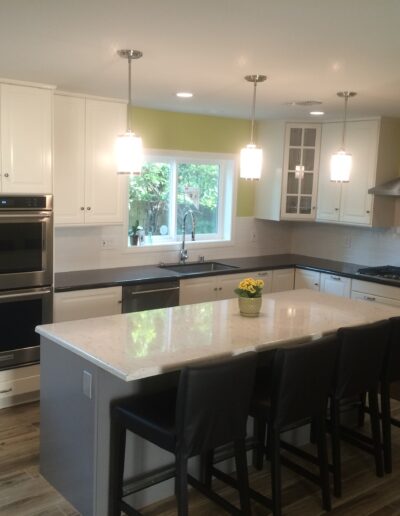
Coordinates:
[300,171]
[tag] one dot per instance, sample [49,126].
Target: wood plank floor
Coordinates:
[23,492]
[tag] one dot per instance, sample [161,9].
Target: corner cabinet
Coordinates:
[26,114]
[282,192]
[299,187]
[86,185]
[374,146]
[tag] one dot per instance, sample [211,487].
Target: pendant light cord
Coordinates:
[346,99]
[128,114]
[253,112]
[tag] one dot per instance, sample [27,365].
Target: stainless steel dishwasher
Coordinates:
[148,296]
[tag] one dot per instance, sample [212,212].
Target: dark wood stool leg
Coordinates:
[376,431]
[361,410]
[242,476]
[275,471]
[181,485]
[323,462]
[336,459]
[207,463]
[117,463]
[386,426]
[259,430]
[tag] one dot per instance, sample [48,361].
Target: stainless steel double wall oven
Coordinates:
[26,275]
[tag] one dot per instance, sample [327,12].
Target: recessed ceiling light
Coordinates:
[317,113]
[184,94]
[303,103]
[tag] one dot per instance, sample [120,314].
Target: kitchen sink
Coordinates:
[193,268]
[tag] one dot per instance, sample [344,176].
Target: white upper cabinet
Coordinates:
[26,139]
[299,188]
[86,185]
[280,194]
[374,146]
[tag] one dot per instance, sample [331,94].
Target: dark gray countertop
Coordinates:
[78,280]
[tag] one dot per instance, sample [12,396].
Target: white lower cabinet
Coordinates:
[282,279]
[334,284]
[82,304]
[19,385]
[215,288]
[375,293]
[307,279]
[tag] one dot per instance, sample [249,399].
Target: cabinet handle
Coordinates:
[88,208]
[336,209]
[6,390]
[82,208]
[336,278]
[316,284]
[261,274]
[6,174]
[369,298]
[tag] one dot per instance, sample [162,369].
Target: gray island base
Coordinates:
[88,364]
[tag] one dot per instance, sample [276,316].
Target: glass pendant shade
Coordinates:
[129,153]
[251,162]
[341,163]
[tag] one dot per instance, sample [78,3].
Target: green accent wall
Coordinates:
[198,133]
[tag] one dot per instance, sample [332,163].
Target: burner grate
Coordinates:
[386,271]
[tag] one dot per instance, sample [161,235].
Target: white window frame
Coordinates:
[227,189]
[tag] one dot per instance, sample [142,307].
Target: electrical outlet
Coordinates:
[253,235]
[107,243]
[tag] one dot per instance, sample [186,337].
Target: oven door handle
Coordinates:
[19,295]
[42,215]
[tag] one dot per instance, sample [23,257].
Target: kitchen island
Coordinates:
[87,364]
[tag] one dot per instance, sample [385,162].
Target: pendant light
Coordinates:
[129,146]
[341,161]
[251,155]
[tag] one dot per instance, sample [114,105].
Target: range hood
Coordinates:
[390,188]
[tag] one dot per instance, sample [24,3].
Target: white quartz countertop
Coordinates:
[142,344]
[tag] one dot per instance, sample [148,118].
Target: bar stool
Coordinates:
[390,374]
[301,382]
[208,409]
[360,361]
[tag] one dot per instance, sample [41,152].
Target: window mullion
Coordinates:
[172,206]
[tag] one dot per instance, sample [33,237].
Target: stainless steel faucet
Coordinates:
[183,254]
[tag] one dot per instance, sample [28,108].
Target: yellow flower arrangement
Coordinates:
[250,287]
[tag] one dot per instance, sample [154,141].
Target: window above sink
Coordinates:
[171,184]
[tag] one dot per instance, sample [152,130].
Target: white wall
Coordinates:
[363,246]
[80,248]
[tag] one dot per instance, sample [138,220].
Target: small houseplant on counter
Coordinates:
[136,234]
[250,292]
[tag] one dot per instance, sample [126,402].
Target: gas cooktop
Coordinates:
[386,272]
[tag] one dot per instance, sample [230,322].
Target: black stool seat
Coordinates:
[302,378]
[360,362]
[207,410]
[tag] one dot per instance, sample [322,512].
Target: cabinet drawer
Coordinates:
[376,289]
[375,299]
[21,386]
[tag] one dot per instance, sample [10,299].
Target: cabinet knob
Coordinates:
[215,289]
[88,208]
[316,284]
[368,211]
[6,175]
[336,209]
[220,288]
[82,208]
[313,207]
[120,301]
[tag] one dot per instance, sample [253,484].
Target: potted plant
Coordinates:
[135,233]
[250,296]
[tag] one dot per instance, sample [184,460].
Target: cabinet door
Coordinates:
[103,187]
[362,144]
[328,203]
[26,139]
[82,304]
[307,279]
[282,279]
[198,290]
[374,299]
[299,187]
[333,284]
[69,160]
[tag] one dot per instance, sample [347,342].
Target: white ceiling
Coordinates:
[309,49]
